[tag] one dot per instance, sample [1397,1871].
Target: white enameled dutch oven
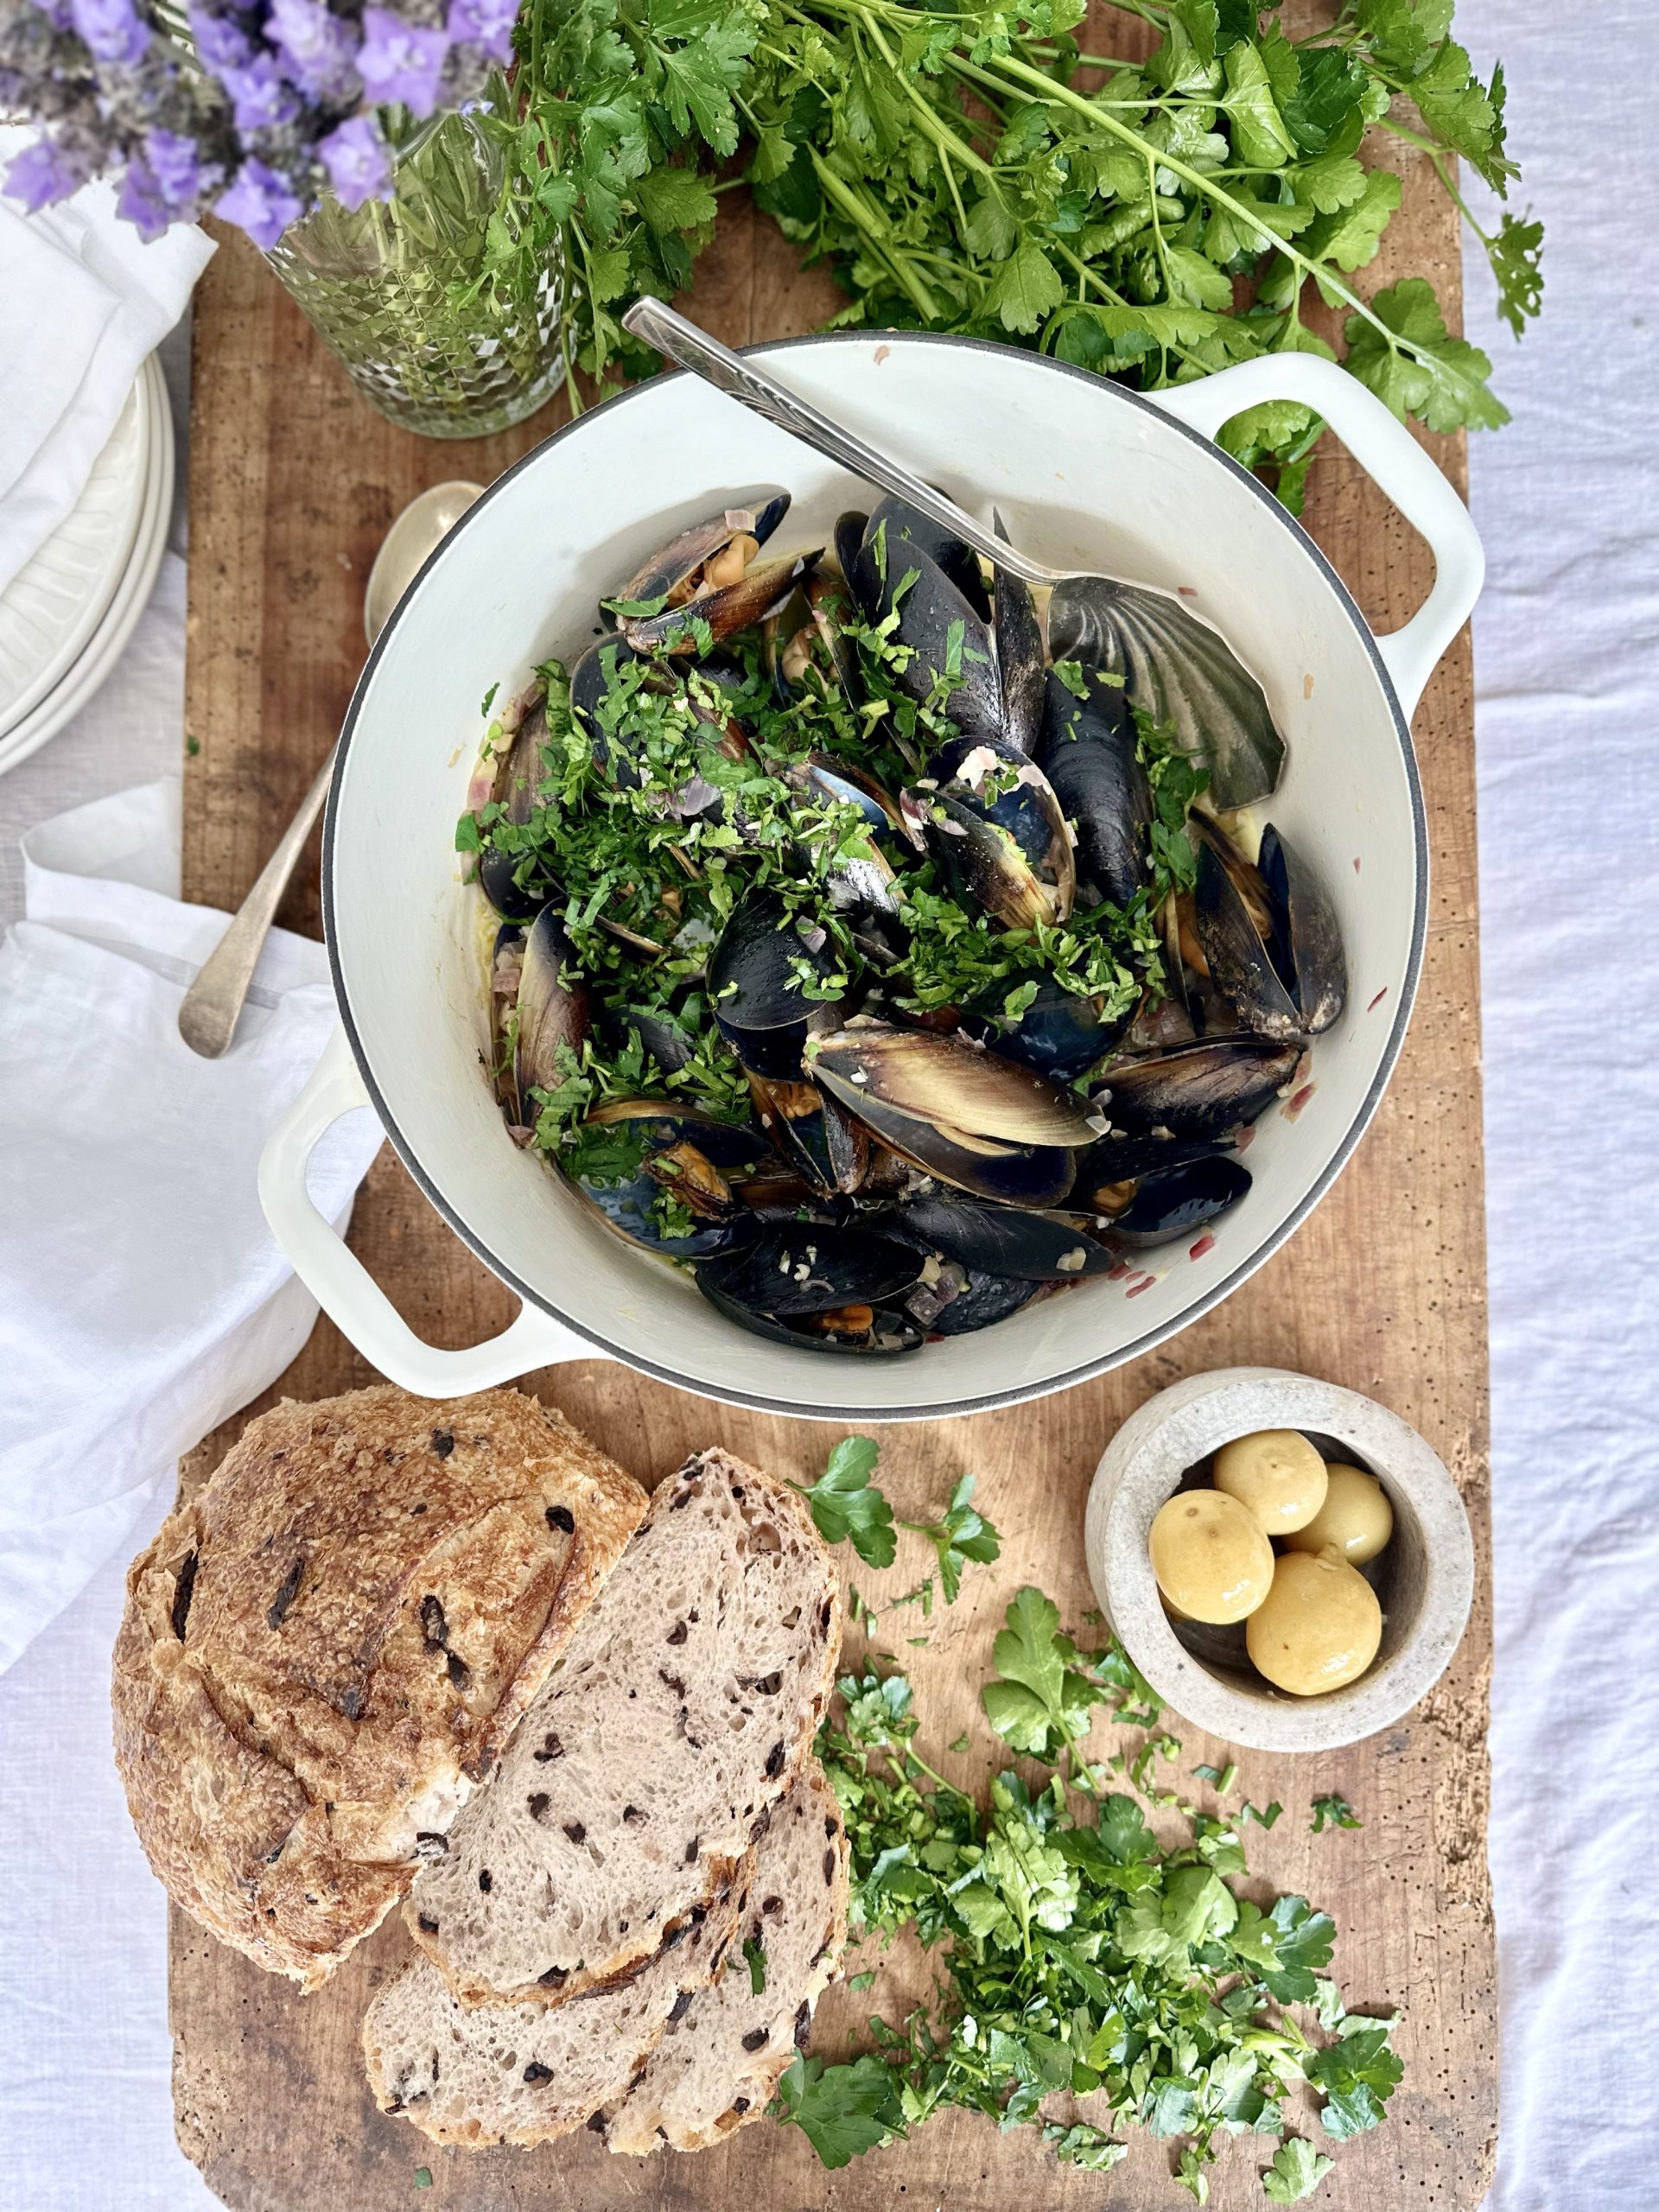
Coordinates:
[1083,473]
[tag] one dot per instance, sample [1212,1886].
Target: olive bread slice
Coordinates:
[525,2074]
[723,2055]
[675,1720]
[323,1652]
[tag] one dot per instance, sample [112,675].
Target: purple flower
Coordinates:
[316,45]
[486,25]
[141,202]
[357,159]
[175,164]
[401,61]
[260,95]
[261,202]
[113,29]
[220,42]
[43,174]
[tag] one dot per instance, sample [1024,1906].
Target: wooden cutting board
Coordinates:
[293,480]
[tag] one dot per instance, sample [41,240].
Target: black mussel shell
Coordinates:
[791,1114]
[498,879]
[1106,1170]
[1020,657]
[1181,671]
[1173,1201]
[1088,752]
[754,515]
[626,1208]
[754,970]
[872,1330]
[1059,1034]
[984,1301]
[1239,958]
[555,1008]
[846,538]
[997,825]
[1309,947]
[1005,1239]
[593,673]
[1202,1089]
[658,1123]
[920,1076]
[799,1268]
[987,1168]
[774,1053]
[933,615]
[908,526]
[668,1043]
[764,587]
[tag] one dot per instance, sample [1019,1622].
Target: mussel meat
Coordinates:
[1202,1089]
[706,555]
[1000,830]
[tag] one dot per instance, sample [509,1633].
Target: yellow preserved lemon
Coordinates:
[1210,1558]
[1355,1517]
[1276,1475]
[1318,1627]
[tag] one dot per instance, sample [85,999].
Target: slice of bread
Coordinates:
[723,2056]
[526,2073]
[677,1717]
[324,1651]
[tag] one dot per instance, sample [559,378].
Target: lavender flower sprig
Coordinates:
[263,106]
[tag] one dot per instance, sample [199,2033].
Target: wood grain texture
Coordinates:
[292,482]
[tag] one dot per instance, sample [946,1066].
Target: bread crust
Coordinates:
[326,1650]
[468,1987]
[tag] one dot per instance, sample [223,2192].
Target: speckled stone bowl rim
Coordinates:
[1143,1464]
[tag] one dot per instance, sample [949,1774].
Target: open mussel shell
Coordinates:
[999,830]
[1060,1034]
[792,1116]
[983,1301]
[1088,754]
[868,1329]
[500,875]
[1239,959]
[798,1267]
[905,526]
[506,967]
[593,673]
[1173,1201]
[1109,1168]
[1011,1241]
[1019,657]
[939,626]
[764,588]
[756,988]
[923,1077]
[658,1124]
[675,571]
[1311,936]
[986,1167]
[555,1010]
[1181,671]
[627,1208]
[1202,1089]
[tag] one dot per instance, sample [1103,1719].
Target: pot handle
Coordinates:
[343,1286]
[1389,455]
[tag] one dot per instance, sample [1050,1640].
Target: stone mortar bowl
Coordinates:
[1425,1578]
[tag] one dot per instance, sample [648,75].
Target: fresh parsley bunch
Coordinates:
[1080,1956]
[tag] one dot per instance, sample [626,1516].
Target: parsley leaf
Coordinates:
[846,1505]
[841,2110]
[1297,2171]
[1333,1811]
[755,1959]
[1358,2074]
[960,1534]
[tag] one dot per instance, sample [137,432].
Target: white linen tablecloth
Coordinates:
[1568,674]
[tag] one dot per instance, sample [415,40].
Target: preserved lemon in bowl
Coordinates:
[1275,1474]
[1355,1517]
[1210,1557]
[1319,1626]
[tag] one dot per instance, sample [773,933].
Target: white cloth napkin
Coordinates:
[143,1298]
[85,299]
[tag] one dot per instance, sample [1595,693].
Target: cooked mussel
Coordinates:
[1270,937]
[1181,671]
[1020,659]
[903,525]
[1061,1034]
[1201,1090]
[1030,1247]
[982,1301]
[948,640]
[760,591]
[871,1330]
[923,1077]
[706,555]
[757,984]
[554,1011]
[658,1124]
[820,1140]
[1088,755]
[999,827]
[510,878]
[1108,1170]
[1172,1202]
[820,1284]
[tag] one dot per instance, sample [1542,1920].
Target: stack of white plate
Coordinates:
[66,616]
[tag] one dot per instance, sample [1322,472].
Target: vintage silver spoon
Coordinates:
[1175,666]
[212,1005]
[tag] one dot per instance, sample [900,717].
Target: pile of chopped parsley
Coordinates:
[1079,1956]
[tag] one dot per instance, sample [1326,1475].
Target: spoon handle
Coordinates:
[212,1005]
[705,357]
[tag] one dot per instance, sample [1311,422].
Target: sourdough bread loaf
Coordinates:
[326,1648]
[720,2057]
[677,1717]
[525,2074]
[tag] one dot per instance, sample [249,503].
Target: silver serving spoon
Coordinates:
[212,1005]
[1174,665]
